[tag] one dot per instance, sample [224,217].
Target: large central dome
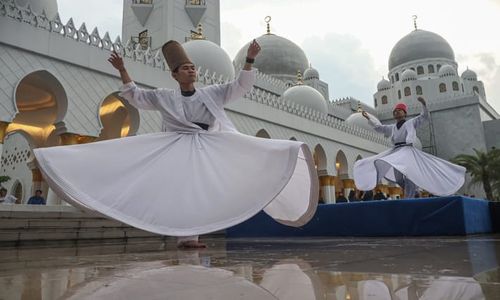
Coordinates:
[420,44]
[278,57]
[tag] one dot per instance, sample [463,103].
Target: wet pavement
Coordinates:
[298,268]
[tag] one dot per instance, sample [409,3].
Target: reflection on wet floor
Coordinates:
[305,268]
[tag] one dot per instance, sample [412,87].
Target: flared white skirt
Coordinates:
[183,184]
[431,173]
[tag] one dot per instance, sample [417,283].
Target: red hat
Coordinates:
[401,106]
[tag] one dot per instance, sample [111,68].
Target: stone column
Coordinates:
[52,198]
[327,186]
[37,181]
[3,130]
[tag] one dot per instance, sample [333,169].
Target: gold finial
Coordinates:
[415,21]
[360,109]
[300,80]
[268,20]
[198,34]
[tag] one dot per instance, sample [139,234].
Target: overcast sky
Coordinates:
[349,42]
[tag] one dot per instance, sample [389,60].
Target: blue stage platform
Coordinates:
[410,217]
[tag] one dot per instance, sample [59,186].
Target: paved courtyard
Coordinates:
[299,268]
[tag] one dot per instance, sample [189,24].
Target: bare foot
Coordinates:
[191,245]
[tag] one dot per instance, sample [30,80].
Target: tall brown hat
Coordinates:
[174,55]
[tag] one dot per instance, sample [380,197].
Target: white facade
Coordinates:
[58,89]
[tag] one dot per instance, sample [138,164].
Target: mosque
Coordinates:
[57,88]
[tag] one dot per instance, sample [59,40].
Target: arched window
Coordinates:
[455,86]
[420,70]
[384,99]
[375,101]
[431,68]
[412,68]
[438,67]
[442,88]
[397,76]
[399,94]
[407,91]
[475,89]
[419,90]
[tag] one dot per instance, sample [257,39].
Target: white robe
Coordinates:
[433,174]
[187,181]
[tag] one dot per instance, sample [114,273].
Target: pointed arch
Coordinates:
[17,191]
[41,102]
[341,164]
[320,159]
[442,87]
[263,134]
[117,118]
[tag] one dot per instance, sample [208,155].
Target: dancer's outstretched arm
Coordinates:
[242,84]
[424,115]
[117,61]
[385,129]
[140,98]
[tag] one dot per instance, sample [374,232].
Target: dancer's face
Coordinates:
[185,73]
[399,114]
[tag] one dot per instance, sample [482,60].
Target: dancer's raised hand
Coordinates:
[117,61]
[421,100]
[253,50]
[365,114]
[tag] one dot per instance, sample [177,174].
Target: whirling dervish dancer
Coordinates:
[198,176]
[404,164]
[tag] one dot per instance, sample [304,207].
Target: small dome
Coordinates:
[306,96]
[357,119]
[420,44]
[311,73]
[50,6]
[446,71]
[469,75]
[408,75]
[383,85]
[278,57]
[209,56]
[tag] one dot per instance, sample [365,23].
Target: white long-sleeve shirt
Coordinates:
[407,132]
[169,102]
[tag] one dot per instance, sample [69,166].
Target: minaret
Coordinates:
[153,22]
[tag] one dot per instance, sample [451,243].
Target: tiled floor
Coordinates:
[304,268]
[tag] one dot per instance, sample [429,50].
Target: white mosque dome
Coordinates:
[311,73]
[307,96]
[408,75]
[50,6]
[357,119]
[420,44]
[446,71]
[469,75]
[209,56]
[383,84]
[278,57]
